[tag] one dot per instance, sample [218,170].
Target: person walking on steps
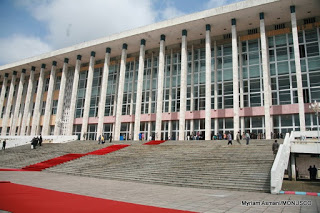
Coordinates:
[247,137]
[4,143]
[40,140]
[238,138]
[110,138]
[275,147]
[229,136]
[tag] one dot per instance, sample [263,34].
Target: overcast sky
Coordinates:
[33,27]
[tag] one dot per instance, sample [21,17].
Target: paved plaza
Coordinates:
[192,199]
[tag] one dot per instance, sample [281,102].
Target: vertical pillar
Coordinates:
[235,78]
[61,97]
[293,167]
[36,111]
[216,121]
[3,91]
[27,103]
[120,92]
[266,77]
[74,94]
[183,90]
[170,95]
[47,112]
[241,86]
[87,100]
[192,90]
[139,91]
[208,84]
[9,104]
[104,86]
[150,96]
[17,104]
[298,67]
[160,87]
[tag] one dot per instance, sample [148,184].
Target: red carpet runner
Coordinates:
[68,157]
[154,142]
[107,150]
[20,198]
[52,162]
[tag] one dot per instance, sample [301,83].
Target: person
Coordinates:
[99,139]
[40,140]
[247,137]
[229,136]
[150,138]
[238,138]
[297,173]
[314,172]
[310,172]
[169,137]
[140,136]
[243,136]
[275,147]
[4,143]
[110,138]
[102,139]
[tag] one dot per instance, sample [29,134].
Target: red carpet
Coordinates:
[108,149]
[20,198]
[154,142]
[52,162]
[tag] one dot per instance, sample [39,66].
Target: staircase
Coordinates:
[201,164]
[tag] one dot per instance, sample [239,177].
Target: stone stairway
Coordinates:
[204,164]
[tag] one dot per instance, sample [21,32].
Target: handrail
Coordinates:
[280,164]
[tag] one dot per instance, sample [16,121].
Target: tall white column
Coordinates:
[160,87]
[208,84]
[37,111]
[183,90]
[74,94]
[192,91]
[266,77]
[27,103]
[15,115]
[103,93]
[3,91]
[9,104]
[139,92]
[216,121]
[87,100]
[298,67]
[47,112]
[120,92]
[170,95]
[235,78]
[241,85]
[61,97]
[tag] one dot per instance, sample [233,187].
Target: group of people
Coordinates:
[36,141]
[101,139]
[313,172]
[228,136]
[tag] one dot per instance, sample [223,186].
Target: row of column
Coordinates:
[35,128]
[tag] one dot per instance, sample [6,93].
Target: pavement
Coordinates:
[182,198]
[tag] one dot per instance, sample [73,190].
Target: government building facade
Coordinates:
[250,66]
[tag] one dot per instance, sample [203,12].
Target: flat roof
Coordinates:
[245,12]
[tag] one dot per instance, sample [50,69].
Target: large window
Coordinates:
[81,93]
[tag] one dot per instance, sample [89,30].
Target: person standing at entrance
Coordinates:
[110,138]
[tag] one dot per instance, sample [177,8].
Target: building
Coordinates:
[249,66]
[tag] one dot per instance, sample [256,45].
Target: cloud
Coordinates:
[18,47]
[75,21]
[168,12]
[218,3]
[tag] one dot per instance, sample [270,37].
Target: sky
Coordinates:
[33,27]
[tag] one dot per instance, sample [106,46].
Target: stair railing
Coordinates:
[280,164]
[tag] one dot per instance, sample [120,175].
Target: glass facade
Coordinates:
[283,86]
